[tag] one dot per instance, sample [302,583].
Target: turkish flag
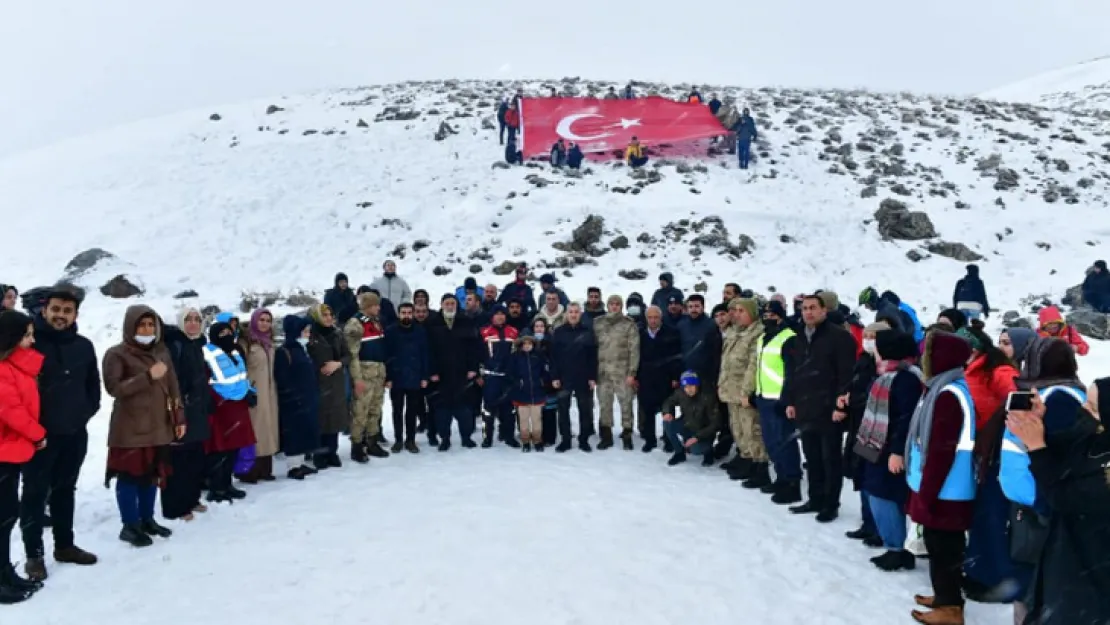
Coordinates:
[603,125]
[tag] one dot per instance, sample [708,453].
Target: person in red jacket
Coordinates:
[1052,325]
[512,120]
[20,436]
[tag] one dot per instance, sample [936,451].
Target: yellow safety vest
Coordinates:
[772,368]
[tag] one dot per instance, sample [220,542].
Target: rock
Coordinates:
[445,130]
[701,287]
[210,311]
[215,117]
[1090,323]
[505,268]
[1074,297]
[420,244]
[634,274]
[895,221]
[1014,319]
[956,251]
[915,256]
[186,294]
[1006,179]
[120,287]
[587,235]
[500,165]
[475,268]
[962,205]
[869,191]
[86,260]
[619,243]
[746,245]
[989,164]
[362,123]
[488,124]
[786,238]
[440,270]
[301,300]
[273,108]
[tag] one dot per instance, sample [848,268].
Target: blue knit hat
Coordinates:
[690,378]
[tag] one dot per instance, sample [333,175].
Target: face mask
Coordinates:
[303,340]
[869,346]
[634,310]
[145,340]
[449,315]
[770,324]
[539,336]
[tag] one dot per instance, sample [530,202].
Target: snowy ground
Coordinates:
[1080,86]
[223,207]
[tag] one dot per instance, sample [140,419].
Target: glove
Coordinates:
[252,399]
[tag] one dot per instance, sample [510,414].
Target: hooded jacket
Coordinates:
[69,383]
[664,294]
[1051,314]
[20,430]
[192,378]
[298,391]
[970,289]
[342,302]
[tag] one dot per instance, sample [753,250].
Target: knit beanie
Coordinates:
[892,345]
[831,299]
[777,308]
[958,319]
[747,304]
[615,299]
[690,378]
[13,325]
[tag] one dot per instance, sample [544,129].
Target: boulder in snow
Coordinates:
[1074,297]
[506,267]
[187,293]
[956,251]
[440,270]
[1090,323]
[445,130]
[120,287]
[1014,319]
[633,274]
[896,221]
[588,234]
[619,243]
[86,260]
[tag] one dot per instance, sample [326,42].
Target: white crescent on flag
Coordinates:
[564,128]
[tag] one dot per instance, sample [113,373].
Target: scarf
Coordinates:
[873,430]
[265,338]
[921,425]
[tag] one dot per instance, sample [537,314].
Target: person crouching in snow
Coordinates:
[146,417]
[1052,325]
[574,156]
[528,379]
[233,397]
[298,397]
[695,429]
[634,154]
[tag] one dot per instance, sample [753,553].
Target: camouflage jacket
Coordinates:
[618,345]
[739,363]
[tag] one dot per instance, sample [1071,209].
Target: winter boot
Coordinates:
[358,453]
[74,555]
[761,476]
[708,459]
[788,493]
[860,534]
[827,515]
[374,450]
[334,461]
[584,444]
[947,615]
[10,594]
[235,493]
[809,507]
[722,448]
[526,447]
[742,469]
[650,443]
[411,447]
[511,441]
[35,569]
[445,445]
[381,439]
[397,447]
[487,433]
[564,446]
[265,468]
[873,541]
[433,439]
[8,577]
[667,446]
[626,440]
[539,447]
[151,528]
[215,496]
[320,461]
[250,477]
[770,488]
[678,458]
[895,560]
[606,438]
[134,535]
[296,473]
[468,443]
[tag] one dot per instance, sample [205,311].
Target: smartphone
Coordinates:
[1019,400]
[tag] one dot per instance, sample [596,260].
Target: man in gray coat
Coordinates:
[392,287]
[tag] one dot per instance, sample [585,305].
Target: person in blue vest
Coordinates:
[940,472]
[497,341]
[469,285]
[746,132]
[233,397]
[574,156]
[970,295]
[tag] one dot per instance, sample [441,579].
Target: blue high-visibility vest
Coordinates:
[960,483]
[1013,472]
[229,378]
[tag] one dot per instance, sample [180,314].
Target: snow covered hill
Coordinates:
[1083,86]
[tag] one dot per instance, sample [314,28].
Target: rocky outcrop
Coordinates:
[896,221]
[120,287]
[1090,323]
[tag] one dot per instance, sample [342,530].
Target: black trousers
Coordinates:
[51,474]
[648,408]
[9,509]
[407,404]
[549,418]
[946,560]
[183,486]
[220,465]
[584,398]
[824,466]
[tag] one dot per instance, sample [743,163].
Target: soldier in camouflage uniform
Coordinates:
[739,365]
[618,355]
[366,342]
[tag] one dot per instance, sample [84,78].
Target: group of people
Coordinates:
[1010,501]
[742,131]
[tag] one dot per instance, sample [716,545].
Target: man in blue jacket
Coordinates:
[746,132]
[406,376]
[970,295]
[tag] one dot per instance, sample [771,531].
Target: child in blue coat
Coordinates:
[528,378]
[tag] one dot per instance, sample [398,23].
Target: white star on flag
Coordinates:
[628,123]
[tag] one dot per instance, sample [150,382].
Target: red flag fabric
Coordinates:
[603,125]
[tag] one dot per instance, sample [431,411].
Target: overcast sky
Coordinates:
[69,67]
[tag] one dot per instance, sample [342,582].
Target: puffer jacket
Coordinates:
[1051,314]
[618,345]
[988,388]
[699,413]
[739,358]
[19,406]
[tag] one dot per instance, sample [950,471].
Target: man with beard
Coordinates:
[675,312]
[657,373]
[574,372]
[498,340]
[731,292]
[489,297]
[816,398]
[366,341]
[425,421]
[700,344]
[520,291]
[594,308]
[69,391]
[406,376]
[618,354]
[455,356]
[516,317]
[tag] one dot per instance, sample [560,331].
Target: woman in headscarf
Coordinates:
[147,416]
[232,396]
[1014,342]
[185,341]
[329,352]
[940,473]
[863,375]
[20,436]
[298,397]
[258,346]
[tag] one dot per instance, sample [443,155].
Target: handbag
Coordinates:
[867,452]
[1028,534]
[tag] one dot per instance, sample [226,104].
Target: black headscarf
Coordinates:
[227,342]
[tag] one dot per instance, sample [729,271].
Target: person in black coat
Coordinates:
[863,375]
[341,300]
[574,156]
[181,495]
[69,391]
[666,291]
[1096,287]
[406,345]
[1072,583]
[298,397]
[657,373]
[559,153]
[574,372]
[816,397]
[970,295]
[455,355]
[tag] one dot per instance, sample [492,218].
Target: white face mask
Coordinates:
[303,340]
[633,310]
[539,336]
[869,346]
[145,340]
